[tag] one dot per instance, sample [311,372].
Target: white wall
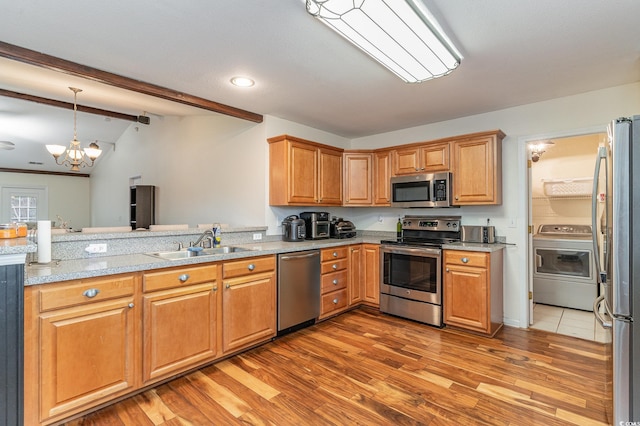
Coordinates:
[67,195]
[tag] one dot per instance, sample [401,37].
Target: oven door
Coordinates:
[411,273]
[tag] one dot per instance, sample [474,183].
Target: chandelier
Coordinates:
[74,156]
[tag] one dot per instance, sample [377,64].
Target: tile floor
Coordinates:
[566,321]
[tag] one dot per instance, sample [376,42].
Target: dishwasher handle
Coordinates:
[299,256]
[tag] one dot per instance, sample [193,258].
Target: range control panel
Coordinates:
[431,223]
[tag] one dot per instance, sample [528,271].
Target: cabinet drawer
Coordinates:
[466,258]
[338,265]
[333,281]
[334,253]
[154,281]
[251,266]
[333,301]
[85,291]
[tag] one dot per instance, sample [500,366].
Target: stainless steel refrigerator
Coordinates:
[616,239]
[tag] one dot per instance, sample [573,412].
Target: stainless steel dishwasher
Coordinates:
[298,290]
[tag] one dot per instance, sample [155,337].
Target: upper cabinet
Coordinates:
[477,169]
[358,182]
[382,178]
[304,173]
[423,158]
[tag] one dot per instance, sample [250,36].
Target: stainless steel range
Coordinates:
[411,268]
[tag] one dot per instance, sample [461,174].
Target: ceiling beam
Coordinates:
[67,105]
[32,57]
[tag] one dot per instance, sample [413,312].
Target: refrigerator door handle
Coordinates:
[596,311]
[538,261]
[602,155]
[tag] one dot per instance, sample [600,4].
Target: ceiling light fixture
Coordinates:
[75,156]
[242,82]
[537,149]
[400,34]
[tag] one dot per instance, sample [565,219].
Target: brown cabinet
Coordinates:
[80,345]
[382,178]
[358,184]
[304,173]
[370,276]
[427,158]
[179,320]
[477,169]
[473,290]
[355,274]
[334,280]
[248,302]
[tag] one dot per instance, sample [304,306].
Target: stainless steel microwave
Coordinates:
[423,190]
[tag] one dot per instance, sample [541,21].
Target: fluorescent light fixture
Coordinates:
[400,34]
[242,82]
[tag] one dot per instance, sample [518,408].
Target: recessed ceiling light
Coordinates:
[242,82]
[7,145]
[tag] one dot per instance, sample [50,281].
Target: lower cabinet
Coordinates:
[473,290]
[370,276]
[355,274]
[248,302]
[179,317]
[334,279]
[81,346]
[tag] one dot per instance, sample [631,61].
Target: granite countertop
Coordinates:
[17,246]
[108,265]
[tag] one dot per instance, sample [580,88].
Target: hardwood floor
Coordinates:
[366,368]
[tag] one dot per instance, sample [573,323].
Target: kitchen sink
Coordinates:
[186,253]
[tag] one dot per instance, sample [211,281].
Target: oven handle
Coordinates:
[422,251]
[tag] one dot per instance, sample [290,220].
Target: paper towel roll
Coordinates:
[44,241]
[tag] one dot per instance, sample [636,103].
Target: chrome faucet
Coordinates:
[208,234]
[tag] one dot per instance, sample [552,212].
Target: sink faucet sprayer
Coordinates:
[213,235]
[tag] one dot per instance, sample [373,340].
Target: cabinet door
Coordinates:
[407,161]
[476,171]
[466,297]
[435,158]
[371,274]
[358,172]
[179,329]
[330,177]
[87,356]
[382,178]
[248,311]
[303,174]
[355,275]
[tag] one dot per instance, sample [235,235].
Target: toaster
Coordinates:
[478,234]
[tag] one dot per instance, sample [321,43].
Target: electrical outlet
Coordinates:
[257,237]
[380,220]
[96,248]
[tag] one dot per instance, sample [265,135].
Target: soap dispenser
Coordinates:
[217,235]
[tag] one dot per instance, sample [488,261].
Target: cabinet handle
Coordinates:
[335,282]
[334,266]
[335,301]
[91,293]
[251,267]
[456,198]
[447,269]
[215,288]
[131,305]
[228,285]
[183,277]
[335,254]
[465,260]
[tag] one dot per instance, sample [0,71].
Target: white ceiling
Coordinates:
[515,52]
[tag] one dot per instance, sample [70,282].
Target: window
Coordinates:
[23,204]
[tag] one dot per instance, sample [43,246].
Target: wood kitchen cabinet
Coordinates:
[358,183]
[477,169]
[334,279]
[180,324]
[370,275]
[473,290]
[355,274]
[248,302]
[382,178]
[427,158]
[81,345]
[304,173]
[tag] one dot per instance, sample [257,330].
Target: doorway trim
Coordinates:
[524,207]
